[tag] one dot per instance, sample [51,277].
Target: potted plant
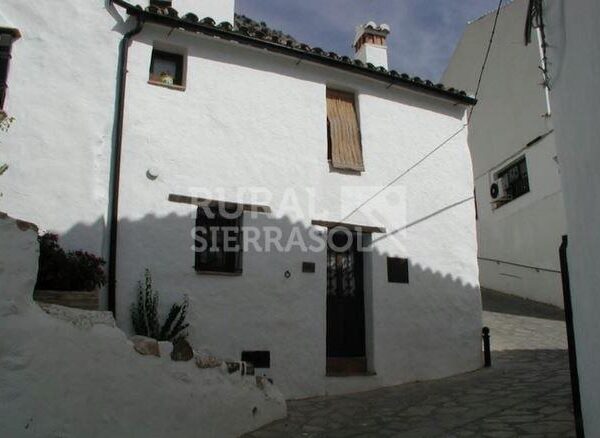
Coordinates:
[68,278]
[166,78]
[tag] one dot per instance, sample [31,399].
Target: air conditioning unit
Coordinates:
[498,191]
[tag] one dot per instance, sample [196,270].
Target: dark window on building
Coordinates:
[397,270]
[5,48]
[219,245]
[260,359]
[166,68]
[515,179]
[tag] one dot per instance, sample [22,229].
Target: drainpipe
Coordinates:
[115,171]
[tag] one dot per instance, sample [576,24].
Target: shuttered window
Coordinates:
[344,146]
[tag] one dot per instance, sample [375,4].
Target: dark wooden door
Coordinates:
[345,306]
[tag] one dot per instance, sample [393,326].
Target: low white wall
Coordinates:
[18,264]
[59,380]
[522,282]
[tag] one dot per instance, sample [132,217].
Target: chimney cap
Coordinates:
[373,29]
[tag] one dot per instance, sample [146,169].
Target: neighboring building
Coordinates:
[573,67]
[222,109]
[521,216]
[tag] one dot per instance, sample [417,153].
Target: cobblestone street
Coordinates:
[526,393]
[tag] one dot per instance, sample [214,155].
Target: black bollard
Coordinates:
[487,353]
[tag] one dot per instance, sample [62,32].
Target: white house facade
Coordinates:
[147,114]
[520,211]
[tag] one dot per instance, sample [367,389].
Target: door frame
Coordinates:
[354,364]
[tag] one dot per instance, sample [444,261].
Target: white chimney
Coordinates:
[370,44]
[218,10]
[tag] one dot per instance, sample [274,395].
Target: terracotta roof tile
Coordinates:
[245,27]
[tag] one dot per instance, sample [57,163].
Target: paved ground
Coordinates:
[517,324]
[525,394]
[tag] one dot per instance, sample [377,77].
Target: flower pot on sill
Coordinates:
[167,79]
[75,299]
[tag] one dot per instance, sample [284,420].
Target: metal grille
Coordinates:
[222,236]
[515,179]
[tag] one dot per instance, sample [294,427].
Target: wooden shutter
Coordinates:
[344,134]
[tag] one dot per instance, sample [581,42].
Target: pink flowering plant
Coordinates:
[68,270]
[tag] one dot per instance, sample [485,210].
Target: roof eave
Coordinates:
[391,78]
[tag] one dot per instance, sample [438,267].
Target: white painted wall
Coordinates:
[574,55]
[59,380]
[61,92]
[374,54]
[509,115]
[218,10]
[19,255]
[247,118]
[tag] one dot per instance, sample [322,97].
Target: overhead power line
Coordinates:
[487,54]
[396,179]
[483,67]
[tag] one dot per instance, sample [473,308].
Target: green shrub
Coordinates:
[145,318]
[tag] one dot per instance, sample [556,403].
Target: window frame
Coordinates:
[6,43]
[170,56]
[347,166]
[521,181]
[231,262]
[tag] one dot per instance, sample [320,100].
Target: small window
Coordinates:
[219,245]
[397,270]
[260,359]
[515,179]
[5,56]
[344,149]
[166,68]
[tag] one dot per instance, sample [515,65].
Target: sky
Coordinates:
[424,32]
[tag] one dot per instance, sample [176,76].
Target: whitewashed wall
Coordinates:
[509,115]
[246,118]
[64,379]
[62,84]
[19,255]
[574,55]
[249,118]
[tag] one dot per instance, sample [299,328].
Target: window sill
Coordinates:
[172,87]
[497,204]
[220,273]
[344,171]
